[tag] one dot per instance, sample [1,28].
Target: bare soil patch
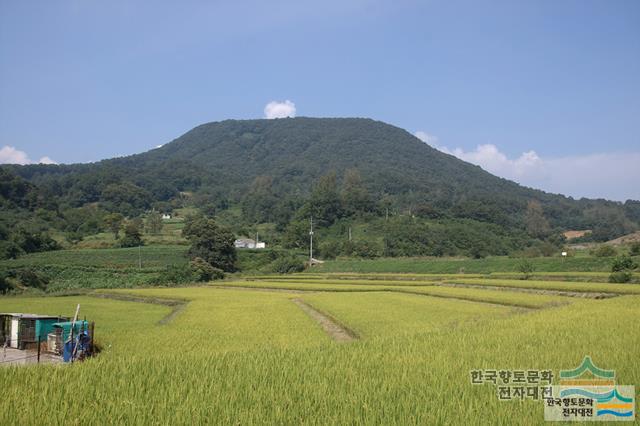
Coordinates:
[12,356]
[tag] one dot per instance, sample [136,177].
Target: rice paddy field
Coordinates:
[342,348]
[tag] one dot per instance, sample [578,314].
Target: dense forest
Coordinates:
[340,171]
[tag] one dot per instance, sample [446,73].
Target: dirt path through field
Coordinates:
[336,331]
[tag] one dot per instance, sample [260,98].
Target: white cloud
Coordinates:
[46,160]
[275,109]
[426,138]
[604,175]
[11,155]
[491,159]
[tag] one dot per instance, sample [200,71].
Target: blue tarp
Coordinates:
[66,328]
[80,345]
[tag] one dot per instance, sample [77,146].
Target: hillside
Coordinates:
[220,164]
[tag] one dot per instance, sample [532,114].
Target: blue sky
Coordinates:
[546,93]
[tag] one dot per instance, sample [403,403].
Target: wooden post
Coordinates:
[93,330]
[38,349]
[72,326]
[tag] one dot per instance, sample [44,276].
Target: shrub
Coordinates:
[32,241]
[20,278]
[526,268]
[604,251]
[132,236]
[203,271]
[623,263]
[287,265]
[547,249]
[620,277]
[478,251]
[365,249]
[5,285]
[634,250]
[177,274]
[330,249]
[9,250]
[31,278]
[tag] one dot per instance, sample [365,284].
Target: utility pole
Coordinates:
[349,234]
[139,257]
[311,243]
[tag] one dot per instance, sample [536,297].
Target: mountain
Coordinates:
[222,160]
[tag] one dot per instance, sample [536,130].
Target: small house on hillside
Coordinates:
[248,243]
[166,216]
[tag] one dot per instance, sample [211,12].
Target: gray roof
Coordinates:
[29,316]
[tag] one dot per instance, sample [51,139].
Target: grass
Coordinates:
[249,357]
[457,265]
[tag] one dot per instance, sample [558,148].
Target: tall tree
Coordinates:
[535,221]
[132,236]
[608,222]
[154,223]
[211,243]
[113,221]
[325,204]
[259,203]
[355,197]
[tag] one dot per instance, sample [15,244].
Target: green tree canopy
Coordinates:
[324,204]
[132,236]
[355,197]
[113,221]
[211,242]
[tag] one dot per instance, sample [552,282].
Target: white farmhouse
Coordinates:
[248,243]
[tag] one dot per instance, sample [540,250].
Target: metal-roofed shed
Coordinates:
[22,330]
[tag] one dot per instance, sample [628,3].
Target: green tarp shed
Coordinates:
[66,328]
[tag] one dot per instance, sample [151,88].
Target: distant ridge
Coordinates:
[223,158]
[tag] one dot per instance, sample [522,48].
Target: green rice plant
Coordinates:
[302,286]
[384,315]
[582,287]
[508,298]
[253,357]
[524,300]
[456,265]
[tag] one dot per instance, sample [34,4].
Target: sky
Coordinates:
[546,93]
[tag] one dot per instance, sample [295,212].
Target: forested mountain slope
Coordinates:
[220,161]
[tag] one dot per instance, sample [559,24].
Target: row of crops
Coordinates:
[240,352]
